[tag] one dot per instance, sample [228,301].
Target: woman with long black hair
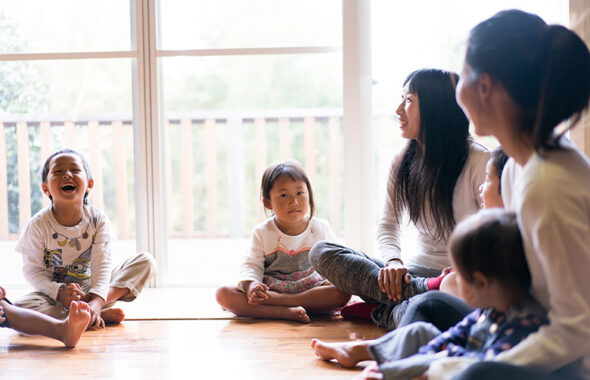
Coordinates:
[435,179]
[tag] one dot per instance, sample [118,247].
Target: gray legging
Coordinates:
[354,272]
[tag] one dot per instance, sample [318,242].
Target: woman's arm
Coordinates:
[388,230]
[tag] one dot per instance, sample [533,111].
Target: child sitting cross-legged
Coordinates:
[277,279]
[67,253]
[493,277]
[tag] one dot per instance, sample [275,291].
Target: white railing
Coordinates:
[214,162]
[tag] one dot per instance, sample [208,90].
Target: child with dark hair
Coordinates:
[66,249]
[496,281]
[277,280]
[526,83]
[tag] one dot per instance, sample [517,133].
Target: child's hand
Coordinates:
[2,319]
[257,293]
[70,292]
[96,321]
[2,293]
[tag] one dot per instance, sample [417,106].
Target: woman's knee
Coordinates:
[318,252]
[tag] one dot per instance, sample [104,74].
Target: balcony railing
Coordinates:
[213,160]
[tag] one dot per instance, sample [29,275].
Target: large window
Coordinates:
[179,106]
[66,82]
[243,85]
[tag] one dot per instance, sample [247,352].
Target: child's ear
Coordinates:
[45,189]
[267,204]
[480,280]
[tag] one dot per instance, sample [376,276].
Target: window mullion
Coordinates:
[149,197]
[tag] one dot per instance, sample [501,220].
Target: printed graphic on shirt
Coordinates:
[52,257]
[77,271]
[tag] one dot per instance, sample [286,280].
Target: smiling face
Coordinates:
[409,115]
[289,200]
[67,181]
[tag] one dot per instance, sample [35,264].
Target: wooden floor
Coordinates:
[220,348]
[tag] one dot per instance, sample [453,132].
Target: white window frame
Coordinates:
[148,111]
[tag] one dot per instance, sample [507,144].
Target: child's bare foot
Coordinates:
[75,323]
[348,354]
[113,315]
[297,314]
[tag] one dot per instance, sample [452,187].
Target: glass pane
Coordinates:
[204,24]
[39,26]
[227,118]
[435,39]
[50,105]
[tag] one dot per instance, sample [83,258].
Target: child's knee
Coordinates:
[342,298]
[223,295]
[148,261]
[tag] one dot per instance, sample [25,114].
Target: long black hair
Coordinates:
[426,175]
[544,68]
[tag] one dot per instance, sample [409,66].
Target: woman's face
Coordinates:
[468,99]
[409,115]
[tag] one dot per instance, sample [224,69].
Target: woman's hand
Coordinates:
[391,278]
[2,293]
[256,293]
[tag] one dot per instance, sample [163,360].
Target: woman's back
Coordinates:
[552,195]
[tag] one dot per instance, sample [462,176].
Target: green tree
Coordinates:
[21,91]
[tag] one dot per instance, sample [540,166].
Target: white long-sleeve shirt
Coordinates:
[273,251]
[466,201]
[551,196]
[52,257]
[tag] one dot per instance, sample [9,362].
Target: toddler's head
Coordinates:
[488,246]
[290,171]
[55,167]
[490,190]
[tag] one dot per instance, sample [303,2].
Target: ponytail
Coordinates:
[545,69]
[565,87]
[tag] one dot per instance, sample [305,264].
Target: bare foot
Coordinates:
[348,354]
[76,322]
[113,315]
[298,314]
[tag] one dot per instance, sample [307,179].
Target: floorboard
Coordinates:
[207,347]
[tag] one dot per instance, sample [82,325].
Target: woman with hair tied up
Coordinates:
[435,179]
[521,79]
